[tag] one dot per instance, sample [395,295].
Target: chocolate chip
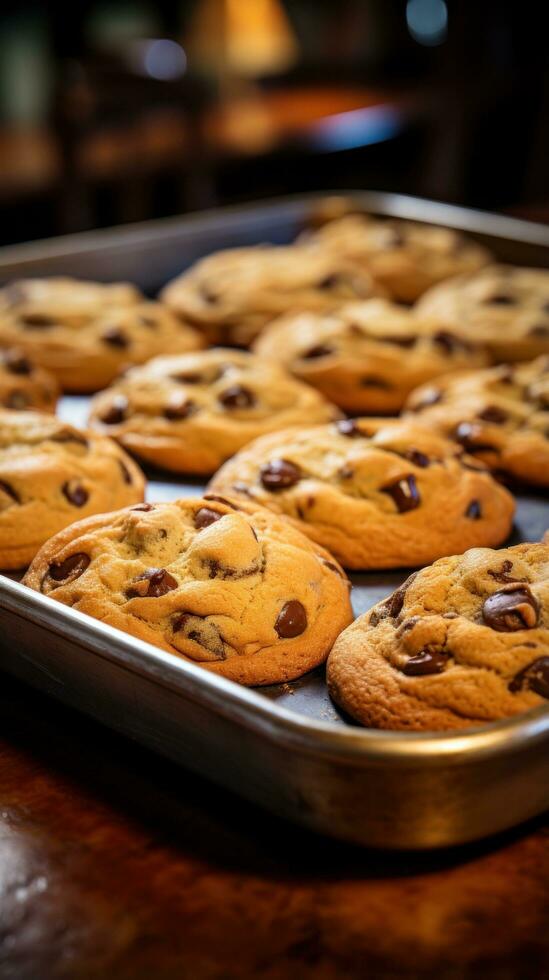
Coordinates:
[188,377]
[501,299]
[9,491]
[474,511]
[16,362]
[39,320]
[179,407]
[373,381]
[75,493]
[221,500]
[199,629]
[279,474]
[502,575]
[417,458]
[152,583]
[69,569]
[539,330]
[116,411]
[17,400]
[115,338]
[291,620]
[449,342]
[237,397]
[513,608]
[126,475]
[431,660]
[143,507]
[535,677]
[431,397]
[321,350]
[404,492]
[469,435]
[493,413]
[349,427]
[392,606]
[206,516]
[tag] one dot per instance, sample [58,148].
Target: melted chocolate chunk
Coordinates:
[513,608]
[206,516]
[126,475]
[237,396]
[291,620]
[474,511]
[188,377]
[392,606]
[321,350]
[152,583]
[75,493]
[221,500]
[179,408]
[115,338]
[16,362]
[9,491]
[279,474]
[115,412]
[69,569]
[350,428]
[431,660]
[502,575]
[493,413]
[200,630]
[501,299]
[143,507]
[469,436]
[38,320]
[535,677]
[417,458]
[404,492]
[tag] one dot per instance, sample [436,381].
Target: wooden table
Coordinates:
[117,864]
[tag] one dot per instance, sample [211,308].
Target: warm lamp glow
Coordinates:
[246,37]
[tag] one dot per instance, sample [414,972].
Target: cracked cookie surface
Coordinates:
[190,413]
[461,643]
[376,493]
[366,357]
[241,593]
[23,385]
[500,415]
[52,474]
[232,295]
[404,257]
[84,332]
[505,308]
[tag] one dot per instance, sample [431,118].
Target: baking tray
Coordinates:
[285,747]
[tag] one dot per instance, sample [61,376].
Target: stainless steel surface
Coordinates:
[286,747]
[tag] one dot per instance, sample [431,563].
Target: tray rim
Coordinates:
[406,206]
[247,707]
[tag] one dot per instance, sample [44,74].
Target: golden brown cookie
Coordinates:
[366,357]
[500,415]
[52,474]
[503,307]
[241,593]
[190,413]
[463,642]
[376,493]
[404,257]
[85,333]
[23,385]
[232,295]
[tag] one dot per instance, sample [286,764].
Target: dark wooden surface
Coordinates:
[117,864]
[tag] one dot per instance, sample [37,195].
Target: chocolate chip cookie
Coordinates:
[52,474]
[241,593]
[404,257]
[23,385]
[190,413]
[499,415]
[232,295]
[463,642]
[505,308]
[376,493]
[85,333]
[366,357]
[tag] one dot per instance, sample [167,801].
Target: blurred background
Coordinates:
[114,111]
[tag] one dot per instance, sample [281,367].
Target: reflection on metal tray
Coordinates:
[286,747]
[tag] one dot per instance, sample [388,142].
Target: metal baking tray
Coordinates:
[284,747]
